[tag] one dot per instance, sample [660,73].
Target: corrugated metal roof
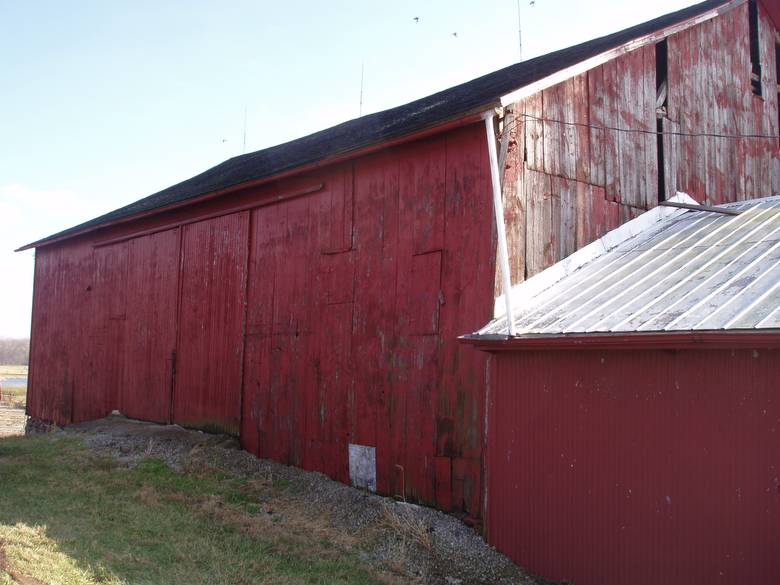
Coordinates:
[667,270]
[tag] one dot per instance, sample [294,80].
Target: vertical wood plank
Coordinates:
[151,324]
[597,115]
[567,235]
[579,98]
[612,143]
[534,132]
[554,131]
[513,196]
[208,380]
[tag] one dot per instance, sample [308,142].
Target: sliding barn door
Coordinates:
[150,326]
[207,394]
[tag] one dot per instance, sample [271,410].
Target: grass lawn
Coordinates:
[68,516]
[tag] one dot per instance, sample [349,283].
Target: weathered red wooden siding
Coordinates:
[355,297]
[709,83]
[207,391]
[150,326]
[569,177]
[334,304]
[602,477]
[100,335]
[67,347]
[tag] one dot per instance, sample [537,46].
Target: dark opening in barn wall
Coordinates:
[777,79]
[661,105]
[755,48]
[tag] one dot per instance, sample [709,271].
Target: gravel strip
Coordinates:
[413,543]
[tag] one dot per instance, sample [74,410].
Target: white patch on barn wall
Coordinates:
[362,466]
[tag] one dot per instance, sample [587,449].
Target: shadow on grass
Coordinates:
[68,516]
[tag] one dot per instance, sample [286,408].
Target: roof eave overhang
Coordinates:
[469,117]
[735,339]
[602,58]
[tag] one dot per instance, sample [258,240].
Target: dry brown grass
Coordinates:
[14,575]
[408,528]
[148,495]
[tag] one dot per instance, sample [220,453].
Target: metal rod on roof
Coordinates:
[243,149]
[360,110]
[498,208]
[722,210]
[519,34]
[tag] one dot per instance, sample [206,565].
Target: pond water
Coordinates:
[13,382]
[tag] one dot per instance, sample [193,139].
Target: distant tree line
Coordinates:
[14,352]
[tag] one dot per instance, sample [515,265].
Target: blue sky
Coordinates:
[103,103]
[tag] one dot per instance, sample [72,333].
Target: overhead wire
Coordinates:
[517,121]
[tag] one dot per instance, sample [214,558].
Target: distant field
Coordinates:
[13,394]
[13,370]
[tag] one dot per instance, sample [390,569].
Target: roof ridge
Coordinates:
[351,136]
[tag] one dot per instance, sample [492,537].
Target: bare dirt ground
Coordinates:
[12,420]
[413,543]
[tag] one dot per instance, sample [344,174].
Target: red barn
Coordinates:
[634,416]
[308,297]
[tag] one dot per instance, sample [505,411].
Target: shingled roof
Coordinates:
[450,104]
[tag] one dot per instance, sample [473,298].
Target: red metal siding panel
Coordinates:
[617,467]
[210,343]
[152,293]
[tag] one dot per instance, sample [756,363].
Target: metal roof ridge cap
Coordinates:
[609,241]
[751,202]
